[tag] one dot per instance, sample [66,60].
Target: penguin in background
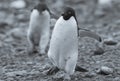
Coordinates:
[39,29]
[63,50]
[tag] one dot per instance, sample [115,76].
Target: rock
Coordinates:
[2,36]
[116,79]
[18,4]
[90,75]
[104,6]
[1,44]
[29,63]
[80,69]
[2,70]
[99,51]
[34,72]
[3,24]
[1,80]
[19,49]
[104,70]
[16,33]
[21,17]
[99,13]
[104,2]
[10,20]
[110,42]
[8,39]
[10,79]
[16,73]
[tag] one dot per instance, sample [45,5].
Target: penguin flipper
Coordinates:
[53,70]
[80,69]
[87,33]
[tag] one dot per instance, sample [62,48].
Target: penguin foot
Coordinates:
[31,51]
[67,77]
[42,52]
[80,69]
[53,70]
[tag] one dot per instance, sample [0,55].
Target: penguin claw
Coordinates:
[52,70]
[80,69]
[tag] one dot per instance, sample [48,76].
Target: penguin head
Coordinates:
[68,13]
[41,7]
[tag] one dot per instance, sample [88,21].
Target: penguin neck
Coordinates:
[70,19]
[66,23]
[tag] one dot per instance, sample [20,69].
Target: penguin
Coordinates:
[39,29]
[63,49]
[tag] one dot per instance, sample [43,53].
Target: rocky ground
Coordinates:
[17,65]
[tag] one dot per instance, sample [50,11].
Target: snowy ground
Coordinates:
[16,65]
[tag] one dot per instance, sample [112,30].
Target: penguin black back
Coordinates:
[41,7]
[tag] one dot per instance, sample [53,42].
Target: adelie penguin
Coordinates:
[63,50]
[39,29]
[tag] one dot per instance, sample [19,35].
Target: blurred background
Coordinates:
[100,16]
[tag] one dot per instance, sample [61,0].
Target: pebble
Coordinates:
[90,75]
[34,72]
[2,36]
[104,70]
[104,2]
[2,70]
[16,33]
[1,44]
[29,63]
[99,51]
[21,17]
[116,78]
[110,42]
[10,79]
[18,4]
[8,39]
[99,13]
[3,24]
[16,73]
[103,6]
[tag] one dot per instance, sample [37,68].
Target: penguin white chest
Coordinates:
[39,21]
[64,43]
[39,25]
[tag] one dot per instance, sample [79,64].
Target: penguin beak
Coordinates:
[87,33]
